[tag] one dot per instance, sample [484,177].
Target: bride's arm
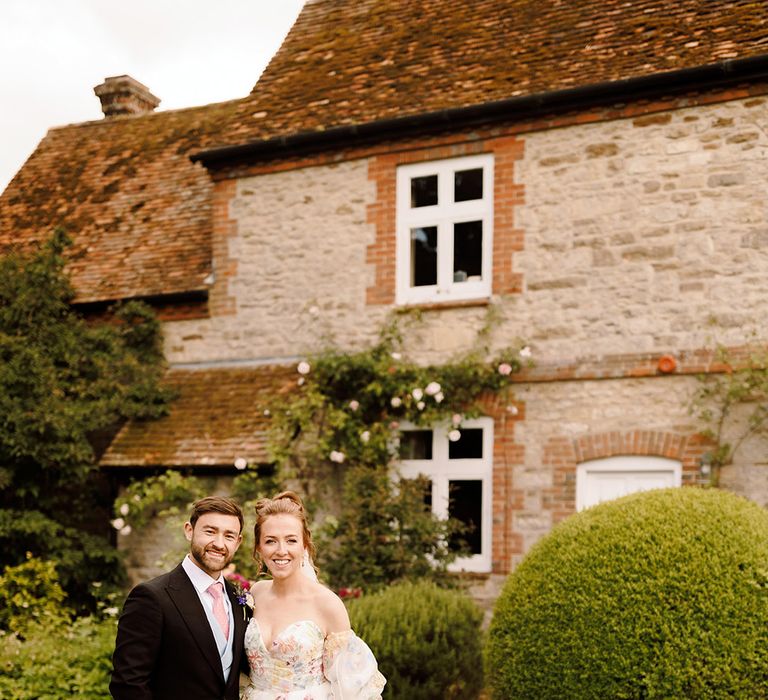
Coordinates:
[348,663]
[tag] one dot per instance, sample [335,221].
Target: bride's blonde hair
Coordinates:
[285,503]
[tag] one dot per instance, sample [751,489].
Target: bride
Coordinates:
[299,642]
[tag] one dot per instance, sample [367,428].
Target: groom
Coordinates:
[180,635]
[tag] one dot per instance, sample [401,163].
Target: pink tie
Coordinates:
[215,589]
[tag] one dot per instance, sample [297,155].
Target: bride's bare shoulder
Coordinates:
[333,610]
[258,588]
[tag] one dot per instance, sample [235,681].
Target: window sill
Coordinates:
[442,305]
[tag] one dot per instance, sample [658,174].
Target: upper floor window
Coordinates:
[444,230]
[460,482]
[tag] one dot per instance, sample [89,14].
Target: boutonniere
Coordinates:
[242,592]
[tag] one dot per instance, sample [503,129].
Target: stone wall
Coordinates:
[645,234]
[298,246]
[563,413]
[638,234]
[566,422]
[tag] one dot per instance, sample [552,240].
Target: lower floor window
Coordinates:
[459,474]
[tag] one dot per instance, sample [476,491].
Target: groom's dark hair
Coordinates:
[215,504]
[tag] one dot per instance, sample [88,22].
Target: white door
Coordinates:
[604,479]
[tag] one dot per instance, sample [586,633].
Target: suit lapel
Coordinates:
[238,616]
[187,602]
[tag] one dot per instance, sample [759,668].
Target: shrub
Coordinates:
[56,661]
[30,594]
[66,385]
[426,639]
[410,541]
[662,594]
[81,558]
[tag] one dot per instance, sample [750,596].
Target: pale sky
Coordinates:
[187,52]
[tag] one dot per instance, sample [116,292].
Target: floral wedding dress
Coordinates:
[302,664]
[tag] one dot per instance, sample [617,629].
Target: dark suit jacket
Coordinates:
[165,648]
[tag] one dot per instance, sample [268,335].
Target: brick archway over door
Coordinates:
[561,456]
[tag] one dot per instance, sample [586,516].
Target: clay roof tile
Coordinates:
[217,417]
[140,211]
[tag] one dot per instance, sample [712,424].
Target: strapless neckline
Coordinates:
[283,631]
[303,663]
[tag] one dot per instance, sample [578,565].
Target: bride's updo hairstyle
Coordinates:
[285,503]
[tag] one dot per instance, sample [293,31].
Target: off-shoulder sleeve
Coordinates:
[351,668]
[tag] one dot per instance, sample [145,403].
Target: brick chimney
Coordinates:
[121,95]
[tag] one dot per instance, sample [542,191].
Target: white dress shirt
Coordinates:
[201,581]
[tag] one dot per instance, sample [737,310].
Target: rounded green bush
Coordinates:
[426,639]
[662,594]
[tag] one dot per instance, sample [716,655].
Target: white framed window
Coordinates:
[460,476]
[444,230]
[604,479]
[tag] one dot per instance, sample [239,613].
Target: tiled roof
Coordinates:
[138,210]
[217,417]
[354,61]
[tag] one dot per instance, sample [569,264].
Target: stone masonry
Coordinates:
[639,234]
[645,234]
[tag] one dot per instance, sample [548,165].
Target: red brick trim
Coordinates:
[507,500]
[381,253]
[382,170]
[618,366]
[220,301]
[507,194]
[561,456]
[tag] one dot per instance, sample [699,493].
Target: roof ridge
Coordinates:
[123,118]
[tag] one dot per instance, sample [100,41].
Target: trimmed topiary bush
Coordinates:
[426,639]
[662,594]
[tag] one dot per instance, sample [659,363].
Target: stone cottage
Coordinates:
[594,172]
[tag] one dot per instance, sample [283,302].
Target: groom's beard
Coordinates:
[212,565]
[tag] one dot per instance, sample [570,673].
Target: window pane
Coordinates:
[423,256]
[423,191]
[420,488]
[465,503]
[468,184]
[468,446]
[468,251]
[428,494]
[416,444]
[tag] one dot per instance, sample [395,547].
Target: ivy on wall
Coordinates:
[339,433]
[336,439]
[732,406]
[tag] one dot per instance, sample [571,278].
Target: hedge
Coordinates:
[662,594]
[58,661]
[426,639]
